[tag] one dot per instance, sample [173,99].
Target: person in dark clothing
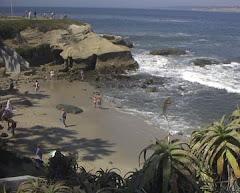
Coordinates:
[35,14]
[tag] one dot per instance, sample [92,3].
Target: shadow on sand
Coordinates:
[27,140]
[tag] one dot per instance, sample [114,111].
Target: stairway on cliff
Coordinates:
[13,61]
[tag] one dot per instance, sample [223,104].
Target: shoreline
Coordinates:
[103,138]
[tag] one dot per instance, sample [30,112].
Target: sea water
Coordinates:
[200,95]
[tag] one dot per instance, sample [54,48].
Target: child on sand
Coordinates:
[94,102]
[63,117]
[99,100]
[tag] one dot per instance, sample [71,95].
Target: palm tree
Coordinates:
[169,168]
[218,147]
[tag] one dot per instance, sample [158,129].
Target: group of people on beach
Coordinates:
[97,101]
[6,114]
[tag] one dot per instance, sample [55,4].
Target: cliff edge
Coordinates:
[67,42]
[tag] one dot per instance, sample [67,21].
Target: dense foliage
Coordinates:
[61,167]
[211,163]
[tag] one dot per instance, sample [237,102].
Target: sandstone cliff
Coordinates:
[78,46]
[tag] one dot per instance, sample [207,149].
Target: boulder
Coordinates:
[4,135]
[25,102]
[28,73]
[2,72]
[116,62]
[118,40]
[153,89]
[167,52]
[148,81]
[143,85]
[69,108]
[204,62]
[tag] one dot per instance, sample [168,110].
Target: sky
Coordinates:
[119,3]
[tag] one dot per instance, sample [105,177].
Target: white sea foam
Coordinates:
[222,76]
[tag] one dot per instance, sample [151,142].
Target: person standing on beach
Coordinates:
[99,100]
[9,106]
[39,161]
[39,153]
[51,74]
[37,86]
[82,74]
[63,117]
[11,86]
[12,128]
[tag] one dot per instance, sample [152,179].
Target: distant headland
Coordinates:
[218,9]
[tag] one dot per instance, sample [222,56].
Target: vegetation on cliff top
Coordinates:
[9,28]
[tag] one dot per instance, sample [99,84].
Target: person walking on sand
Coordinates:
[39,153]
[11,86]
[37,86]
[39,161]
[12,128]
[9,106]
[63,117]
[99,100]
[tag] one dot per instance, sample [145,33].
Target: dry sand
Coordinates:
[103,138]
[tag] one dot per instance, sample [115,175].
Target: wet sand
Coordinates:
[103,138]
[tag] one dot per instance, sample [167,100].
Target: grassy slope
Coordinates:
[9,28]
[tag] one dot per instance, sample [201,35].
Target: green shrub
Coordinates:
[61,167]
[9,28]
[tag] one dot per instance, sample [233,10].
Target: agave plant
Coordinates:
[32,186]
[169,168]
[109,178]
[56,188]
[87,181]
[218,147]
[134,181]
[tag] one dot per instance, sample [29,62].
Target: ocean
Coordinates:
[200,95]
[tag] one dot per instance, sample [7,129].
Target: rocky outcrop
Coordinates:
[78,46]
[116,62]
[204,62]
[118,40]
[167,52]
[153,89]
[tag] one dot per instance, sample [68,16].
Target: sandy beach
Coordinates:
[103,138]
